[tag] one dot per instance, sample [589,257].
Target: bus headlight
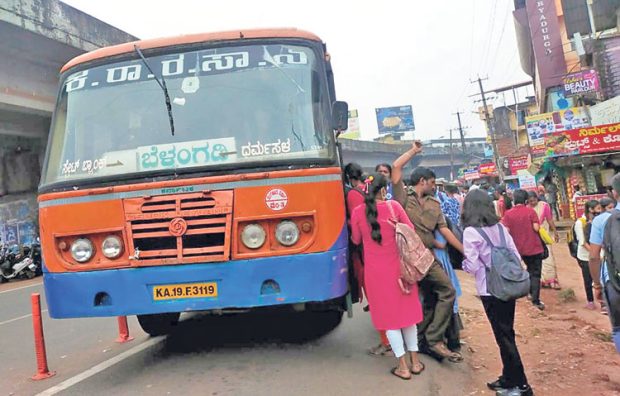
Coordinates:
[287,233]
[82,250]
[112,247]
[253,236]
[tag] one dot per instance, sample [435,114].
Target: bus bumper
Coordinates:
[241,284]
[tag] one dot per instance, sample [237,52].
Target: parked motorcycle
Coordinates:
[16,263]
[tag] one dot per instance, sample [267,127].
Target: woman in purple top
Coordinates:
[478,212]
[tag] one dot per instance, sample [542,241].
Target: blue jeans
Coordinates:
[612,299]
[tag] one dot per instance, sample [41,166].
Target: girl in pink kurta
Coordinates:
[393,308]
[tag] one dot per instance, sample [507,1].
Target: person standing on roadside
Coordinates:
[523,224]
[479,213]
[424,211]
[603,283]
[394,308]
[549,273]
[583,249]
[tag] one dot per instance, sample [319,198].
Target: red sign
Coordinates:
[487,169]
[580,202]
[596,139]
[516,164]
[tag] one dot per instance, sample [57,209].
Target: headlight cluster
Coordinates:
[82,249]
[254,236]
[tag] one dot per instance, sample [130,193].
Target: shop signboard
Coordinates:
[527,182]
[487,169]
[538,126]
[580,83]
[395,119]
[596,139]
[607,112]
[580,202]
[471,174]
[515,164]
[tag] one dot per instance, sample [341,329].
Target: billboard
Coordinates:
[582,82]
[515,164]
[353,130]
[607,112]
[543,124]
[596,139]
[395,119]
[488,168]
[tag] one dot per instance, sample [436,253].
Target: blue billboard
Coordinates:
[395,119]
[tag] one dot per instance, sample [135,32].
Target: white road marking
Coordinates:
[19,288]
[101,367]
[16,319]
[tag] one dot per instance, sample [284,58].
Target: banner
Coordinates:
[580,202]
[471,174]
[543,124]
[597,139]
[607,112]
[353,130]
[515,164]
[581,83]
[487,169]
[527,182]
[395,119]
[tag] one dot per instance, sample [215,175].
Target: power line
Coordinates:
[501,37]
[489,35]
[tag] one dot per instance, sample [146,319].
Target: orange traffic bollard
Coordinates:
[39,341]
[123,330]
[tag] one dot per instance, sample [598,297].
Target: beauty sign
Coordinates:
[580,83]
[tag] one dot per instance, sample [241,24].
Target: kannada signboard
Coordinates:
[543,124]
[515,164]
[527,182]
[471,174]
[580,202]
[395,119]
[607,112]
[596,139]
[581,83]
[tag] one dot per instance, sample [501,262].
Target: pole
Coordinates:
[514,95]
[123,330]
[458,116]
[451,158]
[491,130]
[43,371]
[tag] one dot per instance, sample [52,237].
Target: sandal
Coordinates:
[394,372]
[380,350]
[441,349]
[422,367]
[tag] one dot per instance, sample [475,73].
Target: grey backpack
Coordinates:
[611,244]
[506,279]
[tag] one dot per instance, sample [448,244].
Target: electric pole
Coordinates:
[458,116]
[487,117]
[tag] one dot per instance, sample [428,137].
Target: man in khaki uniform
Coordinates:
[424,211]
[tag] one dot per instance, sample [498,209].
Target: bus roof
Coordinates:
[189,39]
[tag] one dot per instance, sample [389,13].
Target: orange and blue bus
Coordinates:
[195,173]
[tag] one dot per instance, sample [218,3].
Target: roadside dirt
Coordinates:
[566,349]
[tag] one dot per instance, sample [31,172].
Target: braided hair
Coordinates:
[374,184]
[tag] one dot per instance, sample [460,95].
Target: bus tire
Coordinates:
[324,322]
[159,324]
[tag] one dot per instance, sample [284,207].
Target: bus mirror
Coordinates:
[340,117]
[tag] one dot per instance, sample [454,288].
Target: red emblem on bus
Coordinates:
[178,227]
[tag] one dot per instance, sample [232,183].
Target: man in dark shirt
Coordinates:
[424,211]
[523,224]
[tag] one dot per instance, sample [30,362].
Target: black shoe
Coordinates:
[424,349]
[454,345]
[525,390]
[497,384]
[540,305]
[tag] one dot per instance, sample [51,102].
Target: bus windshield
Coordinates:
[253,104]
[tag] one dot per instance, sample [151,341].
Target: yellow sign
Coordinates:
[185,290]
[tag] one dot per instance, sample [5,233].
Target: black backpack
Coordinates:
[573,243]
[611,244]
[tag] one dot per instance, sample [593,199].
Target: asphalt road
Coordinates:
[266,354]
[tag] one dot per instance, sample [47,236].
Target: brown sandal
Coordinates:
[380,350]
[422,367]
[394,372]
[443,351]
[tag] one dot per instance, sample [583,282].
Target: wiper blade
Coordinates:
[162,84]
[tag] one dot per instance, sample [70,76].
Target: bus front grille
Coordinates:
[180,229]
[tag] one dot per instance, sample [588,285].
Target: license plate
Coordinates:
[185,290]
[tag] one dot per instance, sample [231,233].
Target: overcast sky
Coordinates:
[387,53]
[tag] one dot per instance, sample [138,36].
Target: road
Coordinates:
[238,355]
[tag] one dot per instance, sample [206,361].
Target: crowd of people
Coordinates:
[464,229]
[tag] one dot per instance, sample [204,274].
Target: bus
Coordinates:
[196,173]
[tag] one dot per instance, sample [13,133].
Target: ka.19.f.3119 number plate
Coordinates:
[185,290]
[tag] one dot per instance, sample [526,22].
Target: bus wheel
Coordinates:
[159,324]
[323,322]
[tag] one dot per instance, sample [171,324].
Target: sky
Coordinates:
[389,53]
